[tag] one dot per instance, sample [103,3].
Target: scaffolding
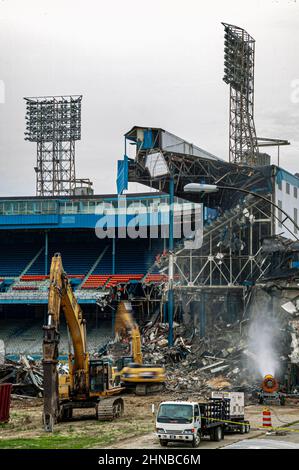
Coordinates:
[54,123]
[231,251]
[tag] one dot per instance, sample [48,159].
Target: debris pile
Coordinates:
[26,376]
[199,365]
[117,349]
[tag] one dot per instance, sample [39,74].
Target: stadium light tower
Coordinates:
[54,123]
[239,51]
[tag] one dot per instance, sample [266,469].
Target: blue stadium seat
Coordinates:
[14,257]
[79,250]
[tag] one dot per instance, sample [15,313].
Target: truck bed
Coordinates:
[213,413]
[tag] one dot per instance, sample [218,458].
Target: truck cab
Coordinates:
[184,421]
[178,421]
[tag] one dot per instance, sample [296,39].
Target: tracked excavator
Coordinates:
[89,382]
[133,374]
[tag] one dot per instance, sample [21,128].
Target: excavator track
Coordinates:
[148,389]
[110,408]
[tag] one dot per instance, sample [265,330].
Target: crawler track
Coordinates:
[110,408]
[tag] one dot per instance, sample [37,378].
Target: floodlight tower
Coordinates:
[239,50]
[54,123]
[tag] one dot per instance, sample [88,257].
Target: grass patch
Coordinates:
[55,442]
[74,440]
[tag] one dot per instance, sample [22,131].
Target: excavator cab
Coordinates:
[100,376]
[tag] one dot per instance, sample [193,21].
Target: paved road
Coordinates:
[256,440]
[288,439]
[149,441]
[262,444]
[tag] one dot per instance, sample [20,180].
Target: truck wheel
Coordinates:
[247,428]
[196,440]
[163,443]
[217,434]
[242,428]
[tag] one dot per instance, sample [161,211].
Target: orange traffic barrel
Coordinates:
[5,394]
[267,422]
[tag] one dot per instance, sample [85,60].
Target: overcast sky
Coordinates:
[154,63]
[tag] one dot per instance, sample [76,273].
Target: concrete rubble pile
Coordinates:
[26,376]
[117,350]
[195,364]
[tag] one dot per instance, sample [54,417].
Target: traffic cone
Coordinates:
[267,422]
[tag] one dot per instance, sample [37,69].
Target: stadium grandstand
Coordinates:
[33,229]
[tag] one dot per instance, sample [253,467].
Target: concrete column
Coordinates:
[46,252]
[113,254]
[170,267]
[202,315]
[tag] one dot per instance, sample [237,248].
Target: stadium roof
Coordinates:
[167,141]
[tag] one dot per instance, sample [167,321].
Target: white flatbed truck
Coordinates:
[184,421]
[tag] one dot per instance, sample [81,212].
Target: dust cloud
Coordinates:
[263,344]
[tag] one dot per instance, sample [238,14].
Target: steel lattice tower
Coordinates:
[239,50]
[54,123]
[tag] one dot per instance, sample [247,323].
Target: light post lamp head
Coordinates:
[200,188]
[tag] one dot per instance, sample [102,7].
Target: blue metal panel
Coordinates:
[148,139]
[122,175]
[79,219]
[23,220]
[283,175]
[68,219]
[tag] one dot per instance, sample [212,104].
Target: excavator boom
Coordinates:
[124,322]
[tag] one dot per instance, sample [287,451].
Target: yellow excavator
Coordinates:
[142,378]
[90,382]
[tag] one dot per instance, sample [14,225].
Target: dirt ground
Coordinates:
[134,430]
[25,430]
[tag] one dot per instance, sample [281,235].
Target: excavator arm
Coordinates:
[62,298]
[124,323]
[136,345]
